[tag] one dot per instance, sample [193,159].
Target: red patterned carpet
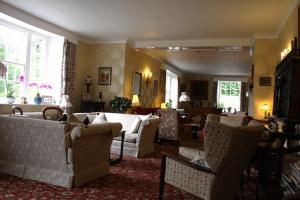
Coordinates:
[130,179]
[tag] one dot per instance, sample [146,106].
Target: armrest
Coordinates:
[186,162]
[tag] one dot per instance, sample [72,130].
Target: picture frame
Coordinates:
[46,100]
[104,75]
[136,83]
[155,88]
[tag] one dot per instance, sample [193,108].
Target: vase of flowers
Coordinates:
[38,99]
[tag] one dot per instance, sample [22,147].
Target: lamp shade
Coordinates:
[3,70]
[184,97]
[65,103]
[135,100]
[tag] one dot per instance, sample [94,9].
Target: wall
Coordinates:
[265,60]
[138,61]
[267,56]
[107,55]
[187,78]
[83,68]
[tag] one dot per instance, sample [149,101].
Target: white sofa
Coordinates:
[137,143]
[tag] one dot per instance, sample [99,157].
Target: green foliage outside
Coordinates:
[230,88]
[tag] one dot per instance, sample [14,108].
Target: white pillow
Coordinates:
[135,125]
[145,121]
[99,119]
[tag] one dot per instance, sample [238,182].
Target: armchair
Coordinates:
[227,152]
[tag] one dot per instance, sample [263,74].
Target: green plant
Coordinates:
[10,90]
[169,104]
[120,104]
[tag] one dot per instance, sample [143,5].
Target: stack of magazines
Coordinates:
[290,180]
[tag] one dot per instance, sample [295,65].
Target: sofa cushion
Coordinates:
[145,121]
[129,137]
[99,119]
[135,125]
[73,118]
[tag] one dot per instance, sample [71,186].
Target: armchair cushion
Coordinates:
[99,119]
[135,125]
[129,137]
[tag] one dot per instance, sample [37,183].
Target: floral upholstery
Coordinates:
[168,128]
[36,149]
[228,151]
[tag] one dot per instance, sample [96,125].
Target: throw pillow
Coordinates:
[73,118]
[99,119]
[135,125]
[145,121]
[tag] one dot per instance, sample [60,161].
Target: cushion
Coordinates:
[196,119]
[145,121]
[135,125]
[73,118]
[99,119]
[129,137]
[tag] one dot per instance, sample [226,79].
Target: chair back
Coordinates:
[52,113]
[228,152]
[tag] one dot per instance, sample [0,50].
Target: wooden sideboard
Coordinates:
[92,106]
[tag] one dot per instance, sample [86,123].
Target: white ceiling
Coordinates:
[158,21]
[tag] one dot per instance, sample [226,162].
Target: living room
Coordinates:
[156,51]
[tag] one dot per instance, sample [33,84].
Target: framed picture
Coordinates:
[104,76]
[46,100]
[137,81]
[155,88]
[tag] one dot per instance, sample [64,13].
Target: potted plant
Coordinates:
[120,104]
[10,93]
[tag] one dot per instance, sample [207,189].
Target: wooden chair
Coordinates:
[16,110]
[52,113]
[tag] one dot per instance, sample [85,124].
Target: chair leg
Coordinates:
[162,177]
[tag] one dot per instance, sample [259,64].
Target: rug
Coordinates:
[131,179]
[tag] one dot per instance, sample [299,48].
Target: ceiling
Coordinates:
[158,21]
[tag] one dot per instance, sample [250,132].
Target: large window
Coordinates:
[171,88]
[33,61]
[229,95]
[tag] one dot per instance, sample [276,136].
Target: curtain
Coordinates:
[244,99]
[162,85]
[68,70]
[215,93]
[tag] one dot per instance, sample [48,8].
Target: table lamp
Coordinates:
[66,104]
[266,107]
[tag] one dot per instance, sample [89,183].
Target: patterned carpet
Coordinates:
[130,179]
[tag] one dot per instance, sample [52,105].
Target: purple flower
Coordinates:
[46,86]
[33,84]
[22,78]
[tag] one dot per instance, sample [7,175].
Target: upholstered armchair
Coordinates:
[217,171]
[168,128]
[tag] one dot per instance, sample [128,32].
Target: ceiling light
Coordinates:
[176,48]
[150,47]
[170,48]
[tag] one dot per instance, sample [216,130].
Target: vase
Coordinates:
[37,99]
[10,100]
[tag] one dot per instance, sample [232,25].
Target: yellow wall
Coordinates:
[138,61]
[289,31]
[265,60]
[267,56]
[82,70]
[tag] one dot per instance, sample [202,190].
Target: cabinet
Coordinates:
[287,87]
[92,106]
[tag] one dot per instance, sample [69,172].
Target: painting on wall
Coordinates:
[136,84]
[104,75]
[155,88]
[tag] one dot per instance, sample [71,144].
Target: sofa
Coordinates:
[139,130]
[63,154]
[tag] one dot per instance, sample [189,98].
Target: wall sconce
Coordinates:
[148,78]
[266,107]
[88,83]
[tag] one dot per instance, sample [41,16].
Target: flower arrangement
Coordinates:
[40,86]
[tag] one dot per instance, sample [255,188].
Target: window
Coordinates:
[229,95]
[33,61]
[171,88]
